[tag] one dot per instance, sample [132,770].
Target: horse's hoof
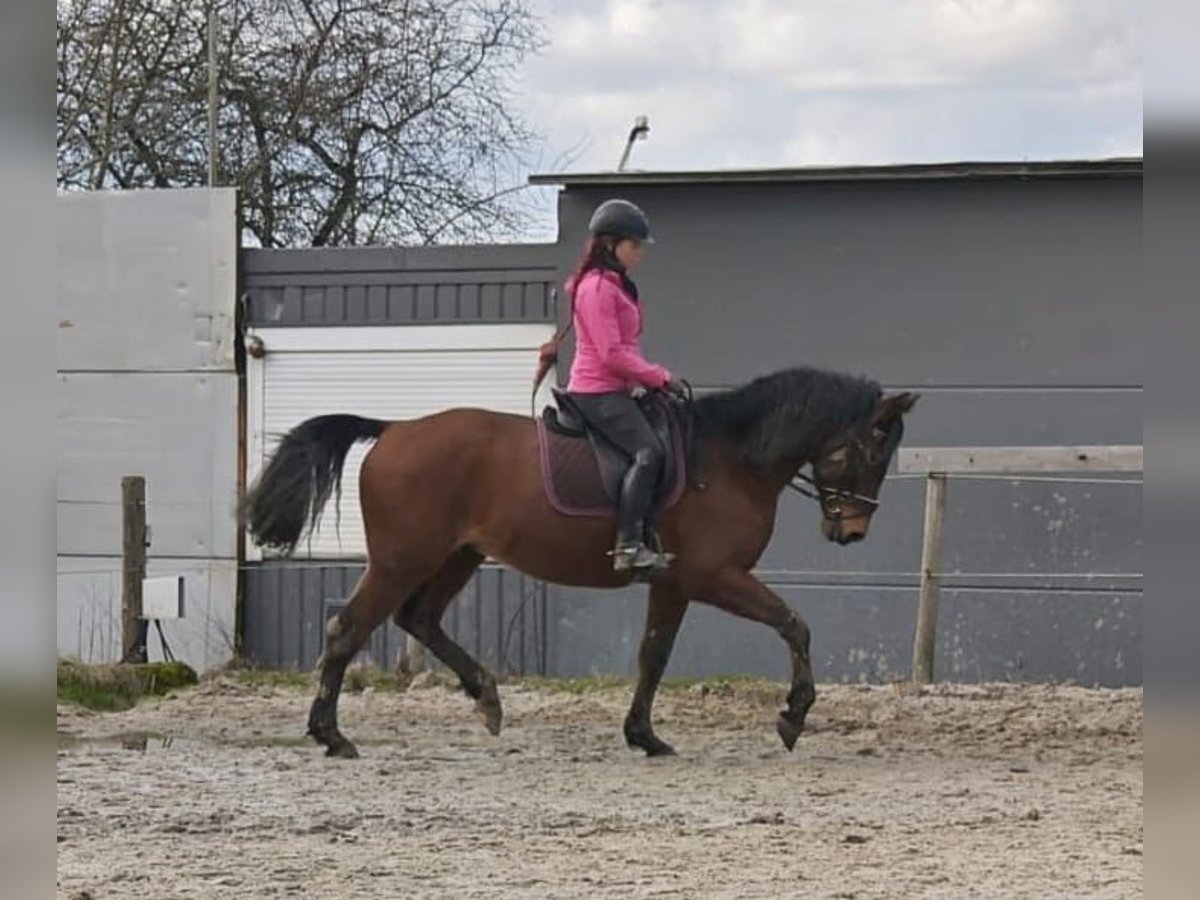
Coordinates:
[789,731]
[648,743]
[488,708]
[335,744]
[655,747]
[344,750]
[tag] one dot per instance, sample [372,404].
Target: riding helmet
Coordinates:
[621,218]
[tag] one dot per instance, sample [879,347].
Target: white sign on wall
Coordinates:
[162,598]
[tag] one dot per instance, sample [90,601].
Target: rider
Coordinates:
[609,368]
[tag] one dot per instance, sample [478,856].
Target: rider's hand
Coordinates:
[676,389]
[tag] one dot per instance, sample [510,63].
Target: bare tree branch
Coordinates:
[341,121]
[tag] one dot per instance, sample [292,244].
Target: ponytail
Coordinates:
[597,254]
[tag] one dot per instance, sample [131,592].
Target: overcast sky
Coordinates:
[752,83]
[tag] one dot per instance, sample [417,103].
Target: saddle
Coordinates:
[582,471]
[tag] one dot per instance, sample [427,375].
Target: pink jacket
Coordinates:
[608,324]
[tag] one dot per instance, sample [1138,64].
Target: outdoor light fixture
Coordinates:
[639,132]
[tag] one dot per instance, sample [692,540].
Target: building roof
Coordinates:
[1119,167]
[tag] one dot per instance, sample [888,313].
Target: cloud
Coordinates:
[765,83]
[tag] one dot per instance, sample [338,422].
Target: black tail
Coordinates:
[289,494]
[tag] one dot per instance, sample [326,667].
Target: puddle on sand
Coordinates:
[136,741]
[157,742]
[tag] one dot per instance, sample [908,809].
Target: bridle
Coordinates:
[831,499]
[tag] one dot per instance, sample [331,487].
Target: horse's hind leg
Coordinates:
[378,592]
[421,616]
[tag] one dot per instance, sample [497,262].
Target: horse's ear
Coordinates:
[895,405]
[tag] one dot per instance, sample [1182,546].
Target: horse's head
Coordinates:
[850,470]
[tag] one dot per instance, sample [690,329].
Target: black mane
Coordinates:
[787,416]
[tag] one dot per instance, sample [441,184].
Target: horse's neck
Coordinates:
[761,483]
[783,474]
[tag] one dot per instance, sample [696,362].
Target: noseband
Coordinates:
[831,499]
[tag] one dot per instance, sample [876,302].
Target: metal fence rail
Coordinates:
[938,464]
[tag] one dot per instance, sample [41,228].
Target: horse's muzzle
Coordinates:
[839,533]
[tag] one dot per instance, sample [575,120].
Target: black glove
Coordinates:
[677,389]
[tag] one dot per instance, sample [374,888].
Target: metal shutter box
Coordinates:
[401,372]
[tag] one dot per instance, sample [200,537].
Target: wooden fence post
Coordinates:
[927,610]
[936,463]
[133,568]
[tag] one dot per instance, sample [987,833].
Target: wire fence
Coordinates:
[770,574]
[1013,479]
[115,570]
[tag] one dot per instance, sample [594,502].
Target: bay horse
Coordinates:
[442,493]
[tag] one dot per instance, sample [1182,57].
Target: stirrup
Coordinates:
[640,557]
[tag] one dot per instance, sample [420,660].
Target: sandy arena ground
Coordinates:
[981,791]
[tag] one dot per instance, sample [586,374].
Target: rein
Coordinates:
[548,354]
[691,461]
[814,491]
[832,498]
[800,483]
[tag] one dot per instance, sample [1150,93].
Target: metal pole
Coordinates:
[212,93]
[625,152]
[641,128]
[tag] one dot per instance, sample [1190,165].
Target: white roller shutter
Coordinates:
[384,372]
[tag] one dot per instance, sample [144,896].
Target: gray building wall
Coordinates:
[1012,304]
[501,616]
[399,286]
[147,386]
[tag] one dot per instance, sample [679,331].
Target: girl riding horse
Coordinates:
[609,368]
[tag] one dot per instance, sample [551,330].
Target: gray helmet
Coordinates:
[622,218]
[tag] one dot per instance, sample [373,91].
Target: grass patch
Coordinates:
[358,679]
[578,686]
[719,685]
[110,688]
[273,678]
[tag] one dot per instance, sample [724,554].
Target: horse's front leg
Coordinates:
[740,593]
[663,615]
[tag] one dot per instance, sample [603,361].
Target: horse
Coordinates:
[442,493]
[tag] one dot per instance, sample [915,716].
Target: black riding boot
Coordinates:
[637,495]
[620,421]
